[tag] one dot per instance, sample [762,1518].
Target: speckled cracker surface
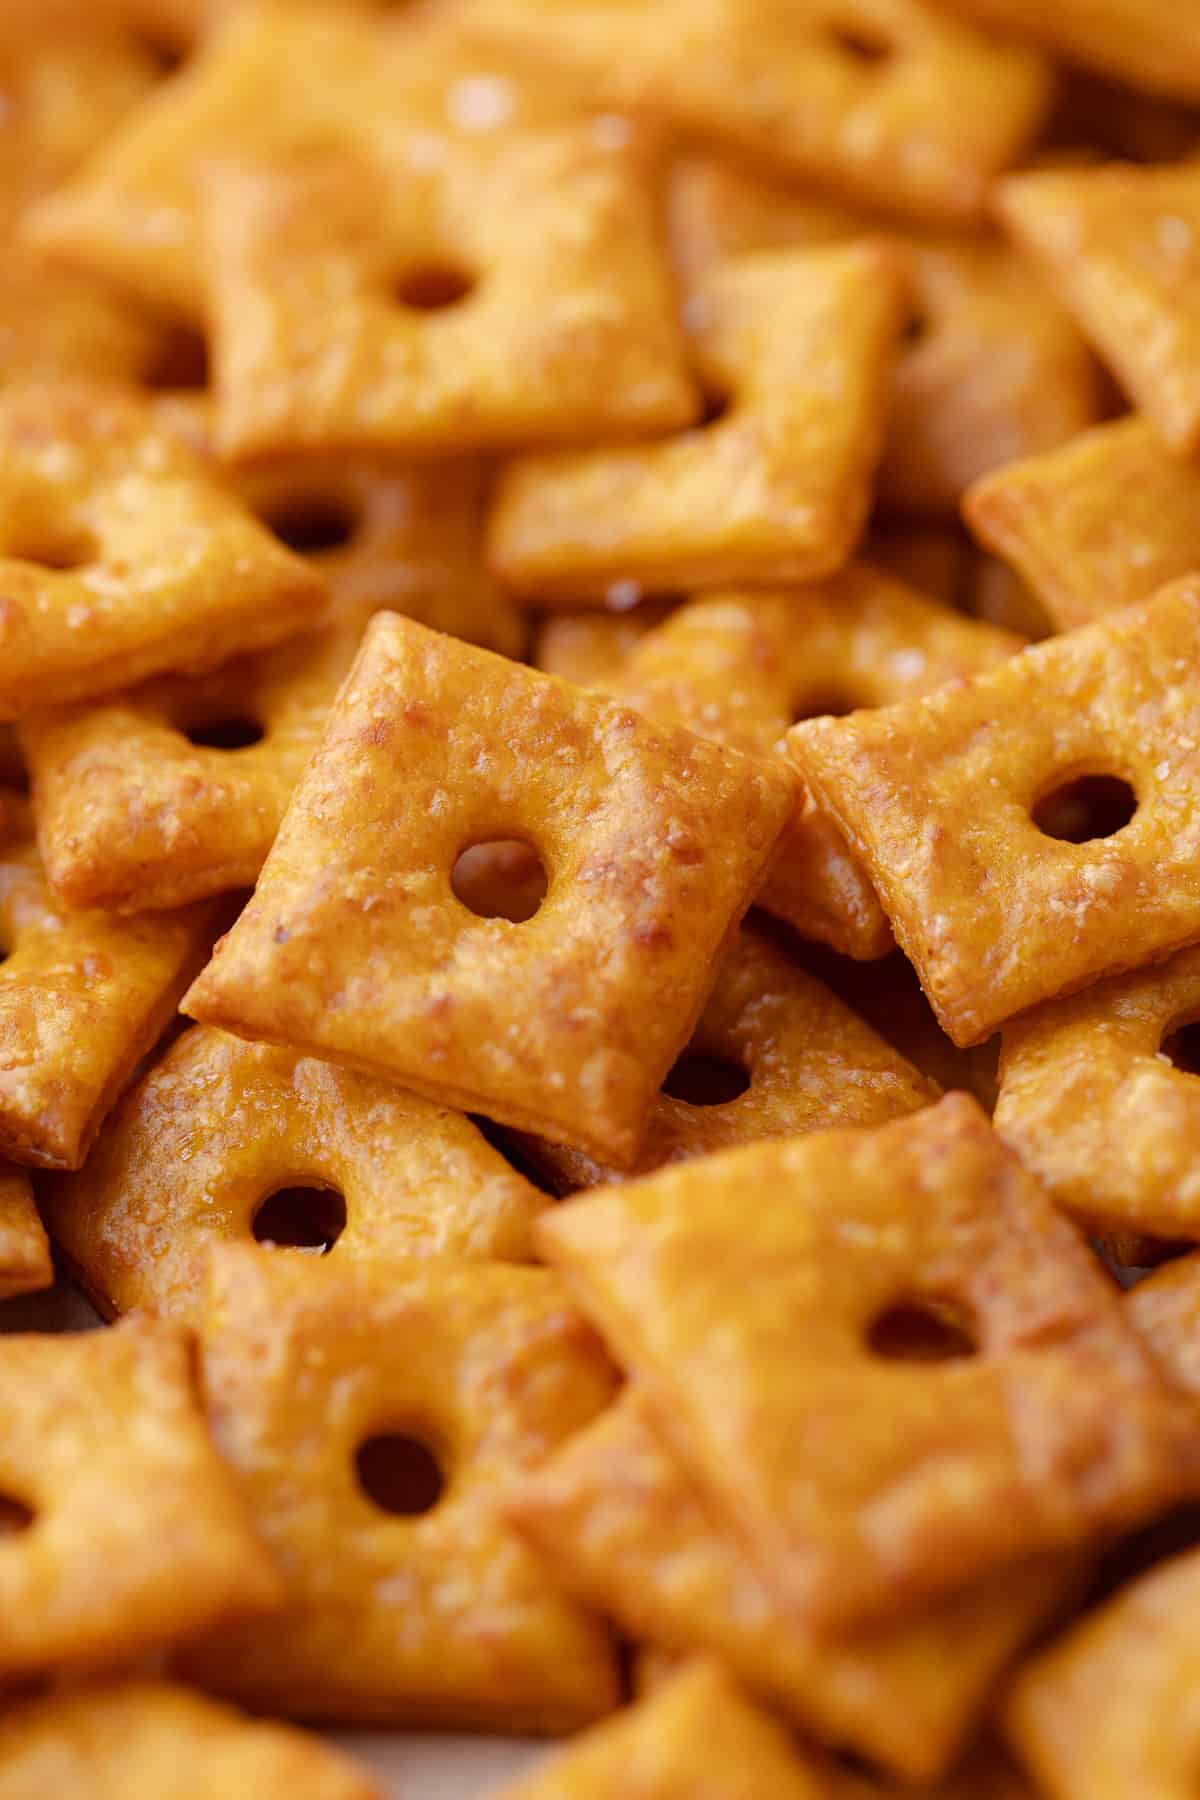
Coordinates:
[1122,246]
[1053,518]
[121,555]
[798,348]
[433,1611]
[137,1536]
[939,798]
[1093,1103]
[617,1517]
[355,946]
[82,997]
[1013,1445]
[806,1062]
[218,1127]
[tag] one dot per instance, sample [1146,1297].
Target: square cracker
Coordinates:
[409,1601]
[121,554]
[740,667]
[774,1053]
[800,347]
[1107,1709]
[83,997]
[696,1738]
[1146,43]
[269,79]
[25,1264]
[991,366]
[355,946]
[620,1522]
[833,91]
[146,1738]
[352,310]
[137,1536]
[1122,246]
[1098,1101]
[219,1127]
[1052,517]
[1097,735]
[879,1246]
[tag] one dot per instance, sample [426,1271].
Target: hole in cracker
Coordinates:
[1085,808]
[400,1473]
[231,731]
[500,878]
[15,1516]
[432,287]
[715,408]
[825,703]
[1181,1046]
[706,1080]
[512,1153]
[301,1218]
[165,55]
[916,328]
[60,549]
[311,525]
[922,1330]
[862,46]
[180,364]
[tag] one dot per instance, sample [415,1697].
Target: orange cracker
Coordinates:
[1033,829]
[373,1418]
[271,79]
[352,311]
[82,998]
[774,1054]
[1146,43]
[175,790]
[1109,1709]
[1099,1104]
[123,555]
[222,1138]
[696,1738]
[752,1328]
[1053,518]
[1122,246]
[68,76]
[25,1264]
[799,345]
[147,1738]
[591,649]
[623,1526]
[57,323]
[355,946]
[991,367]
[133,1533]
[741,667]
[836,91]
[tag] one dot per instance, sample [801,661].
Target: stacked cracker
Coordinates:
[349,356]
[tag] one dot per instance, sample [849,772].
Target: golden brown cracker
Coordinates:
[355,946]
[776,488]
[618,1519]
[419,1606]
[123,556]
[146,1737]
[1053,518]
[221,1139]
[129,1533]
[913,1282]
[1030,831]
[1122,247]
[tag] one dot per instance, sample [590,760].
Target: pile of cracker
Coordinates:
[600,894]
